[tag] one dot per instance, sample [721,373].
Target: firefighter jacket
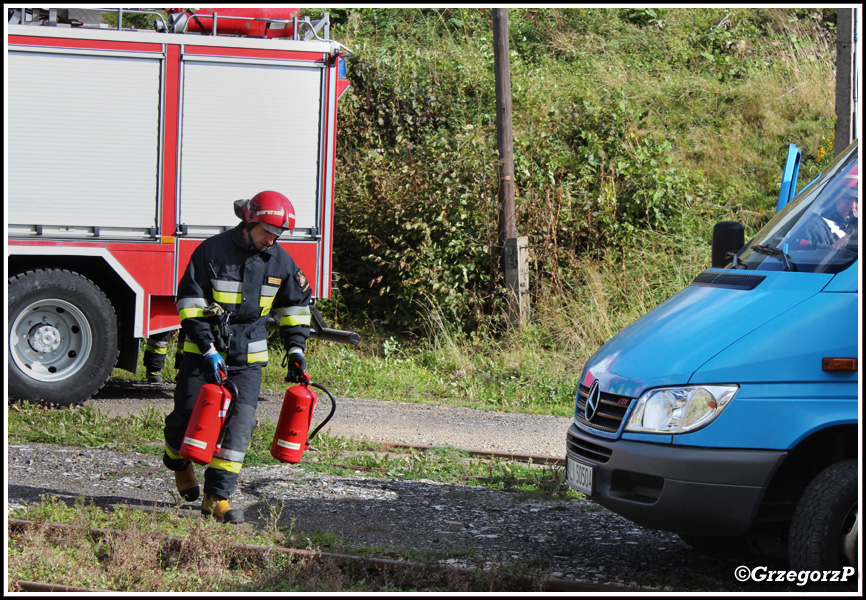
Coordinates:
[246,284]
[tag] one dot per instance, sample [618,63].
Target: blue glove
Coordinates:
[297,367]
[212,365]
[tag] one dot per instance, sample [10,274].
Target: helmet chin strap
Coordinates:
[248,235]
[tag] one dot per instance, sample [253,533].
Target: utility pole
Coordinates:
[846,76]
[513,248]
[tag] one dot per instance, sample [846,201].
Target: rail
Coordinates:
[55,17]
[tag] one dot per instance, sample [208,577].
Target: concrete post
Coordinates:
[517,278]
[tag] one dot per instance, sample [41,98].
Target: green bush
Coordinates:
[625,121]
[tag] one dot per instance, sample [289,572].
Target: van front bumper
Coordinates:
[686,490]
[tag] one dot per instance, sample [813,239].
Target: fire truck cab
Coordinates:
[127,148]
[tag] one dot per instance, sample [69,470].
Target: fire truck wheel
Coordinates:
[823,534]
[62,337]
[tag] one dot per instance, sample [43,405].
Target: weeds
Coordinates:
[108,550]
[626,122]
[134,552]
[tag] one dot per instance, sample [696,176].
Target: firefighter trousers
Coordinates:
[156,349]
[221,475]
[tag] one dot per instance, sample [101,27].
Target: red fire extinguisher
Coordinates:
[205,431]
[296,415]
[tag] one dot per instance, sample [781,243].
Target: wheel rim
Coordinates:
[849,536]
[50,340]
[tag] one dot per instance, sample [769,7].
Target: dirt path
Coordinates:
[398,422]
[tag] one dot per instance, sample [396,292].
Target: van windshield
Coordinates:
[817,232]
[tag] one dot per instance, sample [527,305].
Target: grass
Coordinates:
[470,373]
[533,369]
[84,426]
[138,551]
[133,560]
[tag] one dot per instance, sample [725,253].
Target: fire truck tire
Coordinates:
[823,534]
[62,337]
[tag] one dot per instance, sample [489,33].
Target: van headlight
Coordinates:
[679,409]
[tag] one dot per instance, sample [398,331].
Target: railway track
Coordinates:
[523,583]
[18,585]
[540,460]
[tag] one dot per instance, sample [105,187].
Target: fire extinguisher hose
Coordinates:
[330,414]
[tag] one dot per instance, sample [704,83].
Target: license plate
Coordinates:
[579,476]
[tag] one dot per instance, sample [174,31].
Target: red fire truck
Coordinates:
[126,148]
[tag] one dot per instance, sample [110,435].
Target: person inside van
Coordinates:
[836,225]
[847,207]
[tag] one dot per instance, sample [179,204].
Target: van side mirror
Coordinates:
[728,237]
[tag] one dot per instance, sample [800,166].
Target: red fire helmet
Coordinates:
[272,209]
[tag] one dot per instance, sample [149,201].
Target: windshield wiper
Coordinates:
[777,254]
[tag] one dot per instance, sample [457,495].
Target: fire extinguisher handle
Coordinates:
[303,379]
[330,414]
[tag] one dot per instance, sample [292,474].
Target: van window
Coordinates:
[818,232]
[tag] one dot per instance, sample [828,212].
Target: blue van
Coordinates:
[729,413]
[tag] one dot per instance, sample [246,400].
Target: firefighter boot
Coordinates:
[187,486]
[218,507]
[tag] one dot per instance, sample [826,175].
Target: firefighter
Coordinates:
[155,350]
[233,280]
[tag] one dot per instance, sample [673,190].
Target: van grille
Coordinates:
[588,450]
[611,410]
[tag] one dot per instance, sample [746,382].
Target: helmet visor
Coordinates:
[277,231]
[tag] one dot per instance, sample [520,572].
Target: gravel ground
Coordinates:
[559,539]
